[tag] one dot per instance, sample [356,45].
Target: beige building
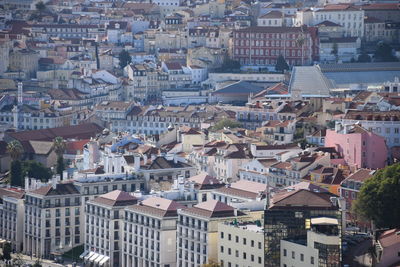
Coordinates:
[25,61]
[240,244]
[197,234]
[210,58]
[150,233]
[103,228]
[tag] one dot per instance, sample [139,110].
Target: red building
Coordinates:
[263,45]
[349,189]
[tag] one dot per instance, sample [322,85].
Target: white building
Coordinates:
[241,244]
[104,218]
[12,211]
[347,49]
[52,220]
[197,234]
[347,15]
[150,233]
[257,171]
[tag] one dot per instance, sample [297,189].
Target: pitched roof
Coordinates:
[304,199]
[205,181]
[12,192]
[82,131]
[360,175]
[212,209]
[328,23]
[61,189]
[41,147]
[163,163]
[115,198]
[241,87]
[158,206]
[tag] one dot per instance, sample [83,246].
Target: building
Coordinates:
[349,190]
[241,244]
[263,45]
[12,212]
[197,234]
[257,171]
[288,218]
[52,220]
[104,222]
[386,246]
[347,49]
[25,61]
[349,16]
[150,237]
[359,147]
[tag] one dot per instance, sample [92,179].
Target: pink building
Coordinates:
[359,147]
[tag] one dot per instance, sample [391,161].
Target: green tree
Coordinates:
[281,64]
[59,147]
[379,198]
[36,170]
[335,51]
[7,251]
[37,263]
[226,123]
[40,6]
[300,41]
[14,148]
[230,65]
[18,260]
[364,57]
[384,53]
[124,58]
[16,174]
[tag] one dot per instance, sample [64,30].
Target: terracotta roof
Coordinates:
[41,147]
[381,6]
[303,199]
[212,209]
[61,189]
[72,147]
[82,131]
[360,175]
[272,15]
[115,198]
[12,192]
[158,206]
[390,237]
[273,147]
[259,29]
[328,23]
[205,181]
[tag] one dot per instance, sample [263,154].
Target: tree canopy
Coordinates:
[124,58]
[37,170]
[379,198]
[40,6]
[226,123]
[14,148]
[384,53]
[281,64]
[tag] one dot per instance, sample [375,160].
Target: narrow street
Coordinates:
[359,256]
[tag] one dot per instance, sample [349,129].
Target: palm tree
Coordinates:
[59,147]
[300,43]
[14,148]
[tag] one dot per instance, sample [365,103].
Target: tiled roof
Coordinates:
[302,199]
[241,87]
[41,147]
[163,163]
[11,192]
[390,237]
[212,209]
[61,189]
[82,131]
[360,175]
[158,206]
[115,198]
[328,23]
[205,181]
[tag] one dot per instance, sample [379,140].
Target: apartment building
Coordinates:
[12,211]
[263,45]
[278,132]
[25,61]
[240,192]
[290,172]
[240,244]
[150,233]
[383,123]
[52,220]
[289,217]
[197,234]
[104,220]
[257,171]
[349,16]
[44,31]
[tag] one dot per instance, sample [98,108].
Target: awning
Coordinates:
[103,261]
[84,254]
[94,256]
[98,259]
[324,221]
[91,253]
[2,241]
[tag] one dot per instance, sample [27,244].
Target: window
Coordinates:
[252,243]
[293,255]
[284,252]
[244,255]
[312,260]
[222,235]
[244,241]
[229,237]
[222,249]
[301,257]
[237,253]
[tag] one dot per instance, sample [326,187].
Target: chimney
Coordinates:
[26,183]
[54,182]
[136,164]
